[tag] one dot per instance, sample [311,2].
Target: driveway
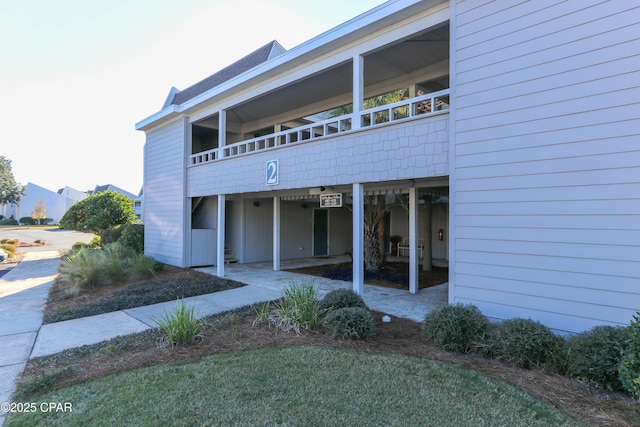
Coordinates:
[55,239]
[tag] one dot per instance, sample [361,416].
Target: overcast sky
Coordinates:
[76,75]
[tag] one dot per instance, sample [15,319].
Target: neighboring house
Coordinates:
[137,200]
[523,116]
[73,196]
[56,203]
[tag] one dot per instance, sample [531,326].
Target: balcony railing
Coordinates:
[428,104]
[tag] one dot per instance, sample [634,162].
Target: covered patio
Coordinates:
[394,302]
[268,226]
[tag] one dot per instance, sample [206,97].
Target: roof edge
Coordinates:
[328,37]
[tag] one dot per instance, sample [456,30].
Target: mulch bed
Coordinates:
[395,270]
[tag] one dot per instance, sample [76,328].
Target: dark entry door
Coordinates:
[320,232]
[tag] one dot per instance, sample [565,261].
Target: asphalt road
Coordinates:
[55,239]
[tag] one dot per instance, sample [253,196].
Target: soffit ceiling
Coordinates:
[389,62]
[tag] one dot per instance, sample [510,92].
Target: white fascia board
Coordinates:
[335,36]
[167,113]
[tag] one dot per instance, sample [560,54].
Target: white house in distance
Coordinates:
[137,200]
[56,203]
[522,120]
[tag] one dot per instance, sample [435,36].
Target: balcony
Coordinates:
[424,105]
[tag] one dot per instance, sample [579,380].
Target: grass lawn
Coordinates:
[29,227]
[299,386]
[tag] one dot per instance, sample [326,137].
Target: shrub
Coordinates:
[83,269]
[78,246]
[181,326]
[144,266]
[8,221]
[262,312]
[111,234]
[86,267]
[527,343]
[118,250]
[96,242]
[98,212]
[456,327]
[596,354]
[629,368]
[297,309]
[9,248]
[351,323]
[341,298]
[133,237]
[129,235]
[27,220]
[114,268]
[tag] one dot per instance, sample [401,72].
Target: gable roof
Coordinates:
[257,57]
[101,188]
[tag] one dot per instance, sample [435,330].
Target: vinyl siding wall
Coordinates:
[545,165]
[165,207]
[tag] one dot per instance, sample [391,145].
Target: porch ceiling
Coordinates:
[389,62]
[434,187]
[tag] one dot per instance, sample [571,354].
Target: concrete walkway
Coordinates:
[23,293]
[24,290]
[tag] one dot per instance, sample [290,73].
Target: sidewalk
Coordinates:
[23,293]
[263,284]
[24,290]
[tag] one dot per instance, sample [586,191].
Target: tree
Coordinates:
[98,212]
[10,191]
[374,101]
[39,211]
[375,209]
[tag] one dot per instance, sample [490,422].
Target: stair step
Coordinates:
[229,256]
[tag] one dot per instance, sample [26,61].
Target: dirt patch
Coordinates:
[31,244]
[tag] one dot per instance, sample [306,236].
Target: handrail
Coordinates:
[411,107]
[420,105]
[301,133]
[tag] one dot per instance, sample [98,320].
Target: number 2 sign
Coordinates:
[272,172]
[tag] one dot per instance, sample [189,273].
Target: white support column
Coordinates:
[276,233]
[358,238]
[222,132]
[220,235]
[358,90]
[413,240]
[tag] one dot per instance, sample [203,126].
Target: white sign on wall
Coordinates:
[331,200]
[273,171]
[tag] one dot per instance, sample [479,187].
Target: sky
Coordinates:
[76,75]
